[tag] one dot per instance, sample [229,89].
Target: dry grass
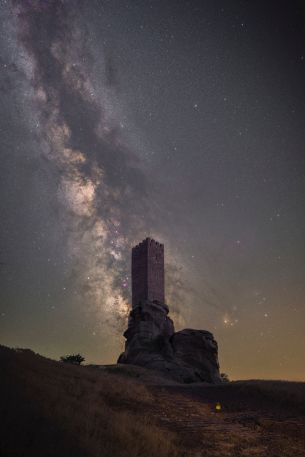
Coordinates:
[49,408]
[283,397]
[267,442]
[258,418]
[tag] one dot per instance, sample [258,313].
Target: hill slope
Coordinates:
[50,409]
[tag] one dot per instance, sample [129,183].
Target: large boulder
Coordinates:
[151,342]
[198,350]
[148,334]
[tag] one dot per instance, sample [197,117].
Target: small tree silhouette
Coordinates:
[75,359]
[224,377]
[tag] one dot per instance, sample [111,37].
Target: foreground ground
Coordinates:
[50,409]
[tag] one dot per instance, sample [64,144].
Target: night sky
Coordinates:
[179,120]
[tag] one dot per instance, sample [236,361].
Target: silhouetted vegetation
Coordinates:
[224,377]
[75,359]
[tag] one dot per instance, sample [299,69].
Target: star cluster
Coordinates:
[181,121]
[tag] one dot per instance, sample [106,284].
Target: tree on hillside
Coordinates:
[75,359]
[224,377]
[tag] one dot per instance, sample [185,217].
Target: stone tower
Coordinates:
[147,272]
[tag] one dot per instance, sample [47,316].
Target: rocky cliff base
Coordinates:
[151,341]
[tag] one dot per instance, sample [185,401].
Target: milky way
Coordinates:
[182,122]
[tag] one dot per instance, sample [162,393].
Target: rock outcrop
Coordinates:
[186,356]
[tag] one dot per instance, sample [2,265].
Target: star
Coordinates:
[109,140]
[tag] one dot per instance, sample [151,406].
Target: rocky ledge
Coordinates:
[151,341]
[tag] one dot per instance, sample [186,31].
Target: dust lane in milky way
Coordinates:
[122,120]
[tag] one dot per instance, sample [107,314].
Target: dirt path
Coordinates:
[207,433]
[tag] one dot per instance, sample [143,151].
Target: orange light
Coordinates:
[218,407]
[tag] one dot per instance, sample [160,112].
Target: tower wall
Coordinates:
[147,271]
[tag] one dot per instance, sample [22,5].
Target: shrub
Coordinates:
[224,377]
[75,359]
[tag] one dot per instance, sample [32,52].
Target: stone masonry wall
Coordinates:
[147,271]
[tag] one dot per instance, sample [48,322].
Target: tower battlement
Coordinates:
[147,271]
